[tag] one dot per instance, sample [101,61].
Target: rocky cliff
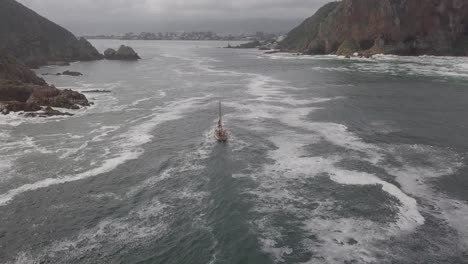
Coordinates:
[402,27]
[35,41]
[22,90]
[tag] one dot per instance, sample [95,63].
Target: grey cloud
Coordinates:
[100,15]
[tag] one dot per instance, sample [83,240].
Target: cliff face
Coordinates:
[403,27]
[34,40]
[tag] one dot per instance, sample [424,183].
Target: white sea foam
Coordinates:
[25,145]
[106,166]
[4,135]
[265,87]
[334,236]
[202,64]
[105,196]
[149,221]
[5,169]
[291,163]
[12,119]
[68,135]
[269,245]
[438,66]
[188,162]
[416,180]
[18,118]
[130,144]
[276,194]
[103,132]
[150,182]
[161,94]
[409,212]
[73,151]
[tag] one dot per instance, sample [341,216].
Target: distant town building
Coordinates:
[197,35]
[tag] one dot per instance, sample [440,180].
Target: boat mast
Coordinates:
[220,116]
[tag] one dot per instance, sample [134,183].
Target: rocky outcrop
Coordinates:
[10,69]
[402,27]
[67,72]
[22,90]
[72,73]
[123,53]
[97,91]
[51,96]
[33,40]
[42,95]
[47,112]
[15,106]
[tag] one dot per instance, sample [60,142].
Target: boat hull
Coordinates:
[220,138]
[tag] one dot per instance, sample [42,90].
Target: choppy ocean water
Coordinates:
[330,160]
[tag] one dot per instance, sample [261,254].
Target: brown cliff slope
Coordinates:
[402,27]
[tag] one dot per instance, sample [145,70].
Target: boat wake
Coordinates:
[127,146]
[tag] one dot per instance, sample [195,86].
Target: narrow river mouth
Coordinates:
[328,161]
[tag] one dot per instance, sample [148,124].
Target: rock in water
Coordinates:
[109,53]
[402,27]
[47,112]
[43,95]
[127,53]
[72,73]
[123,53]
[35,41]
[97,91]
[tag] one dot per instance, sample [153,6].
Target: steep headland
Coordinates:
[401,27]
[35,41]
[28,40]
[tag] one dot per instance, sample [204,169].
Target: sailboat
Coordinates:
[220,132]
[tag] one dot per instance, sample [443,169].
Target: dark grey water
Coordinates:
[330,161]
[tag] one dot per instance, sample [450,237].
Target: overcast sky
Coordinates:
[117,16]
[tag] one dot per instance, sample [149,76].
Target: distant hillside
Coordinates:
[403,27]
[34,40]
